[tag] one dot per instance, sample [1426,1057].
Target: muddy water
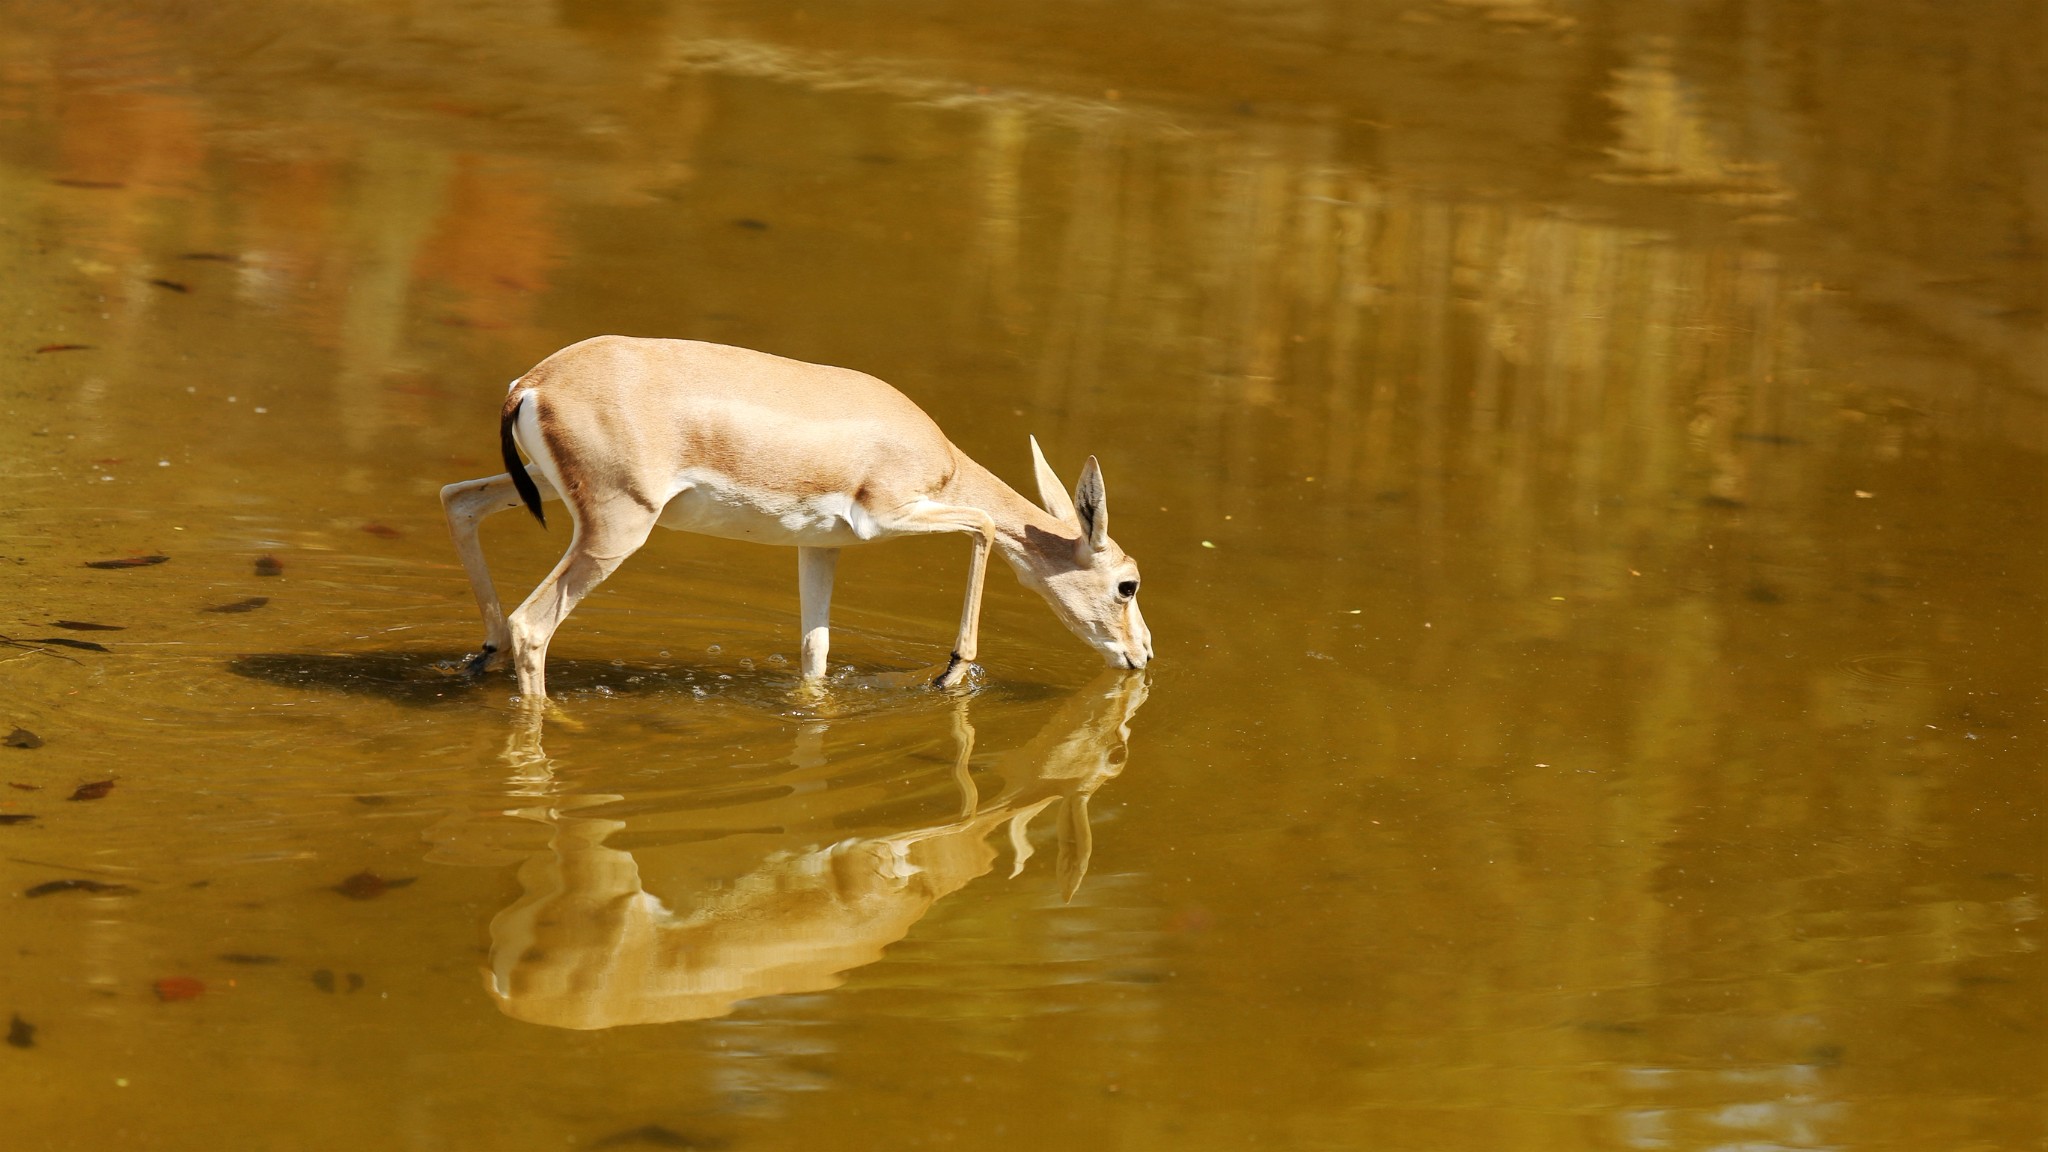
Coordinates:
[1587,466]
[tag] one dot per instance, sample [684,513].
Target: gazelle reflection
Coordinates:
[587,946]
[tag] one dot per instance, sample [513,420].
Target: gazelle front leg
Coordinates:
[968,642]
[814,570]
[924,516]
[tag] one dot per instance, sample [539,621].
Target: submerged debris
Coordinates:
[98,887]
[249,605]
[65,348]
[216,257]
[382,531]
[323,979]
[7,818]
[269,566]
[128,562]
[23,738]
[20,1033]
[88,626]
[368,885]
[171,285]
[68,642]
[26,646]
[24,787]
[178,988]
[660,1137]
[92,791]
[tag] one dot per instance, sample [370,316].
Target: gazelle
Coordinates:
[631,433]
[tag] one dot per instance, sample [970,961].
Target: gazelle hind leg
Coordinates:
[814,570]
[466,505]
[603,538]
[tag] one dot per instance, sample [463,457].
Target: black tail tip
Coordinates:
[528,491]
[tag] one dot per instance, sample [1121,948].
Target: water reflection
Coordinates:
[588,946]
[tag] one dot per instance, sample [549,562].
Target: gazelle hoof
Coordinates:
[477,665]
[956,671]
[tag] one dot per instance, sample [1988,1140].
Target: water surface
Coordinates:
[1586,464]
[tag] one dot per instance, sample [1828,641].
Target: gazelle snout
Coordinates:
[1134,648]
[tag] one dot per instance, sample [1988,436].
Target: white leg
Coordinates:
[968,644]
[466,504]
[814,571]
[956,518]
[602,540]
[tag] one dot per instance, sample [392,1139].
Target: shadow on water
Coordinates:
[782,901]
[426,679]
[429,679]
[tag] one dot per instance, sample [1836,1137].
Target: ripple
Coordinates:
[1892,668]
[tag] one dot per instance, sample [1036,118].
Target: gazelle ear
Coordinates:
[1077,844]
[1091,506]
[1051,493]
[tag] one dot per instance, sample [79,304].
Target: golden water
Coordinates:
[1586,462]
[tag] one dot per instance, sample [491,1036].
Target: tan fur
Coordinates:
[704,437]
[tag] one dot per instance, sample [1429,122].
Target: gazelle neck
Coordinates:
[1023,529]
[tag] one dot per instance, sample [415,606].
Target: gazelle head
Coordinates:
[1091,583]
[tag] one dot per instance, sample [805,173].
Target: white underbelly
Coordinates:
[714,506]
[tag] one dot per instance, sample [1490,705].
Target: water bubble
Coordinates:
[714,650]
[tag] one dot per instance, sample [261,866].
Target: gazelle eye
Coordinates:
[1127,589]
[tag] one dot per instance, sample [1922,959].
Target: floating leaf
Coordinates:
[7,818]
[368,885]
[68,642]
[100,887]
[23,738]
[20,1033]
[249,605]
[92,791]
[127,562]
[269,566]
[88,626]
[178,988]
